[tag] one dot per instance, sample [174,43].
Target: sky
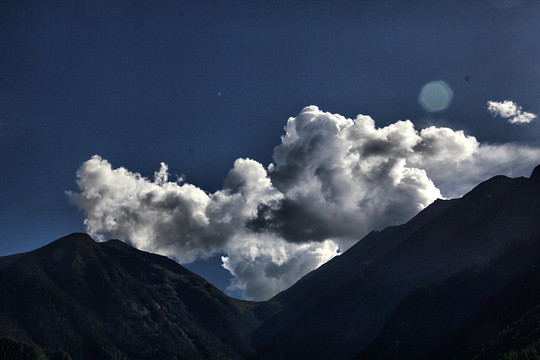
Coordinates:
[253,141]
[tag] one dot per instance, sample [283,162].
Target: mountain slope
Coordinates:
[453,318]
[339,309]
[438,286]
[519,340]
[109,300]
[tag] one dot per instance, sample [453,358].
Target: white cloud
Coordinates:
[342,178]
[510,111]
[264,264]
[183,221]
[167,217]
[522,118]
[333,180]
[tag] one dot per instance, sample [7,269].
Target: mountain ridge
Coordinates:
[108,300]
[435,244]
[92,299]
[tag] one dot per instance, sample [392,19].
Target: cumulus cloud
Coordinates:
[171,218]
[333,180]
[342,178]
[264,264]
[510,111]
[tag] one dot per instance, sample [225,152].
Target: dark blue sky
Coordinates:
[199,84]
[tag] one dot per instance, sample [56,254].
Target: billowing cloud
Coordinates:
[510,111]
[181,220]
[264,264]
[169,217]
[333,180]
[342,178]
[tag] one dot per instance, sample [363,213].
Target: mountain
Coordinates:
[461,280]
[110,301]
[361,297]
[452,318]
[519,340]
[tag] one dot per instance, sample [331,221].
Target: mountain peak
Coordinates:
[97,297]
[77,237]
[79,240]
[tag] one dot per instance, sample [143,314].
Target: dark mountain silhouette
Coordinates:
[519,340]
[338,310]
[109,300]
[451,319]
[458,281]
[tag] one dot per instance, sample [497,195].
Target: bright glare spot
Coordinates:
[435,96]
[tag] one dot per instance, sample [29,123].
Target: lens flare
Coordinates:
[435,96]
